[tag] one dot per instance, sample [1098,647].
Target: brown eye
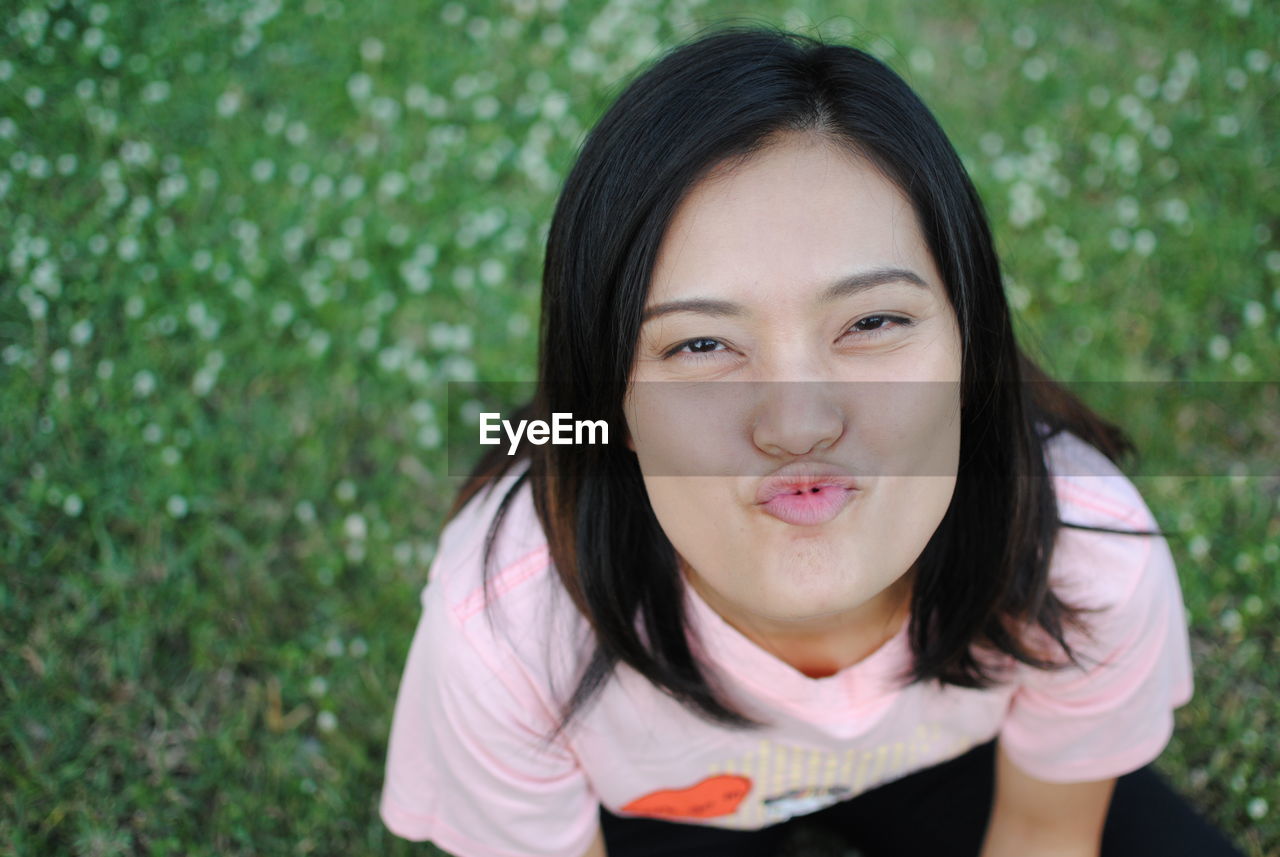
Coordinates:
[874,325]
[700,347]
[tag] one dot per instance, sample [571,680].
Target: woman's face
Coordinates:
[798,344]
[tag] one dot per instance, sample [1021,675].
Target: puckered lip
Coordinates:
[801,476]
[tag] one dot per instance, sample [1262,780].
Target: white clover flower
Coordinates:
[422,411]
[352,186]
[152,434]
[1024,37]
[1127,210]
[458,368]
[392,184]
[144,383]
[358,648]
[228,103]
[345,490]
[453,14]
[170,456]
[384,109]
[1254,314]
[518,325]
[155,92]
[282,313]
[1257,808]
[177,506]
[372,50]
[1126,153]
[1175,210]
[318,343]
[305,512]
[1227,125]
[359,86]
[1035,69]
[1144,242]
[201,260]
[73,505]
[492,272]
[262,170]
[203,381]
[326,721]
[554,35]
[37,307]
[334,648]
[429,437]
[1219,347]
[417,96]
[418,372]
[81,332]
[60,361]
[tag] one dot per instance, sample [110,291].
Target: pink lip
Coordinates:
[806,500]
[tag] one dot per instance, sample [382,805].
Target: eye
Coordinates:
[699,348]
[877,325]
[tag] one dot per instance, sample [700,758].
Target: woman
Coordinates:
[850,558]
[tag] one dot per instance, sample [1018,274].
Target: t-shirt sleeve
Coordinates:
[1116,714]
[468,766]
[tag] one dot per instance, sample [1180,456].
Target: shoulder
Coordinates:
[1104,549]
[462,578]
[506,611]
[469,763]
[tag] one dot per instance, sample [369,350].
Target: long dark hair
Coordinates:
[982,579]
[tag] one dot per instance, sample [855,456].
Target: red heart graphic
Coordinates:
[714,796]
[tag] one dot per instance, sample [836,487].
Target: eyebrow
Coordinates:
[843,287]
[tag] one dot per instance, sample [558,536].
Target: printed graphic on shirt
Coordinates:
[804,801]
[791,780]
[712,797]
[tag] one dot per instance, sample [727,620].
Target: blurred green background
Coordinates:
[245,245]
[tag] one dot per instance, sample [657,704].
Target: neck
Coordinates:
[825,645]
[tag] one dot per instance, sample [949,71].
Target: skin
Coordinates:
[769,237]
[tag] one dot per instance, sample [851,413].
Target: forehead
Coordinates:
[803,210]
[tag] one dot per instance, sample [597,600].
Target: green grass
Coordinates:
[244,252]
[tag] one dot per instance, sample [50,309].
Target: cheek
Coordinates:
[908,428]
[693,512]
[680,428]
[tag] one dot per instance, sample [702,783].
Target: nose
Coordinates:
[794,418]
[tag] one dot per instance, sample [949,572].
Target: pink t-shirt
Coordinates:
[468,766]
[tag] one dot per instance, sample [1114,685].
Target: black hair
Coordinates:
[982,579]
